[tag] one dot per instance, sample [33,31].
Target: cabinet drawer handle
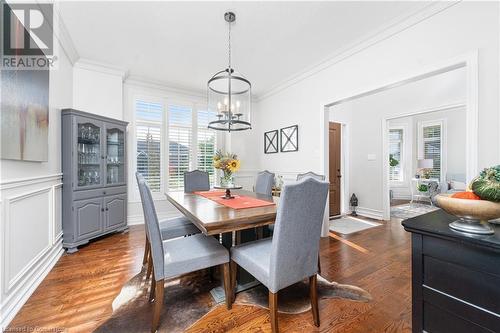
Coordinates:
[104,192]
[107,209]
[102,209]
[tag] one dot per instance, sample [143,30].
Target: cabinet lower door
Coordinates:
[88,215]
[115,211]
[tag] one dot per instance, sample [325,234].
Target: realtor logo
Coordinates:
[28,29]
[28,39]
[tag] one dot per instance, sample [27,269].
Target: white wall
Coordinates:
[459,29]
[98,89]
[30,207]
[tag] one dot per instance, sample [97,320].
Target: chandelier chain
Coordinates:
[229,44]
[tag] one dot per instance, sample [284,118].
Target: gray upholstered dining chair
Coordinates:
[291,255]
[310,174]
[179,256]
[264,183]
[170,228]
[196,180]
[318,177]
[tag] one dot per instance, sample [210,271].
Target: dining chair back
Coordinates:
[264,183]
[196,180]
[298,221]
[310,174]
[152,230]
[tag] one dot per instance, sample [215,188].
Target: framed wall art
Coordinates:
[271,142]
[289,138]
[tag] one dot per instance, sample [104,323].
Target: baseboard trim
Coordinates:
[371,213]
[11,306]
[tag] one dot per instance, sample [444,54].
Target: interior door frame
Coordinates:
[469,61]
[344,168]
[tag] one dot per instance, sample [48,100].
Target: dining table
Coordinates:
[233,226]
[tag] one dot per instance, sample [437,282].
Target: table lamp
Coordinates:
[425,166]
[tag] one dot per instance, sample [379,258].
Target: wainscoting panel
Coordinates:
[31,243]
[27,222]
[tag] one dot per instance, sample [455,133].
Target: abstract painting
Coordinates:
[24,115]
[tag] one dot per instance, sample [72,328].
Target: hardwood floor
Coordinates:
[78,293]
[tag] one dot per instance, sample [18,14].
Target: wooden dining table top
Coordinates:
[213,218]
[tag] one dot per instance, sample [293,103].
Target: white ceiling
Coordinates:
[183,43]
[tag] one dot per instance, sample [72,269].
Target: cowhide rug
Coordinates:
[188,298]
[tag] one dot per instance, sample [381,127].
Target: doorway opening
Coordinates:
[369,175]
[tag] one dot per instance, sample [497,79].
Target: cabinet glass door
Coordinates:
[115,156]
[89,154]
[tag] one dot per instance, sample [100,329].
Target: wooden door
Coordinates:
[334,172]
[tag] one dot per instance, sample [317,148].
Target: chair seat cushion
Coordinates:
[177,227]
[255,258]
[189,254]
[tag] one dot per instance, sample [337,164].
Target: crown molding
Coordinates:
[101,67]
[143,82]
[396,26]
[63,36]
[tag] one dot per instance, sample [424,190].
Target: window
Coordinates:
[396,154]
[148,136]
[179,145]
[206,143]
[172,140]
[431,146]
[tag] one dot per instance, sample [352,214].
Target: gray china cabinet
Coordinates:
[94,177]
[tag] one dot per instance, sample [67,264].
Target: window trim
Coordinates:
[138,122]
[402,161]
[196,103]
[420,152]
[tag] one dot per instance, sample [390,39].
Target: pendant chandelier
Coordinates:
[229,94]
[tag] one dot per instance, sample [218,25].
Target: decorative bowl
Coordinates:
[474,214]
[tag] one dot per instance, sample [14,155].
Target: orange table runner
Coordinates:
[239,201]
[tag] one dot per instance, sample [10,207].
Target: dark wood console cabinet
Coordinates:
[455,277]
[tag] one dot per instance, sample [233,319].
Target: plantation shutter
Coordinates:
[179,145]
[206,143]
[148,135]
[432,148]
[395,150]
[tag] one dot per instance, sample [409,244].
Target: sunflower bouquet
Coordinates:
[228,163]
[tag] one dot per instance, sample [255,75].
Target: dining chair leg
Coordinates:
[233,274]
[273,308]
[150,268]
[313,294]
[227,285]
[146,252]
[319,264]
[153,287]
[159,287]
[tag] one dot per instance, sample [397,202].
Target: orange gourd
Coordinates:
[466,195]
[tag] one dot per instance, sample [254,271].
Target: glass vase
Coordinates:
[226,180]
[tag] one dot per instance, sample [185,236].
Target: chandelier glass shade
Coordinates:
[229,95]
